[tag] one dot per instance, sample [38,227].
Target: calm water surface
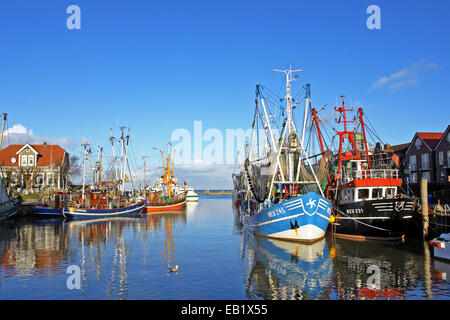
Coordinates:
[128,258]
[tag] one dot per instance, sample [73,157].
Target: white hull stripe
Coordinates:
[286,218]
[80,213]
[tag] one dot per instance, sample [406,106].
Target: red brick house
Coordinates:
[420,157]
[442,151]
[34,166]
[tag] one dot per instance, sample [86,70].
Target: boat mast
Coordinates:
[122,151]
[290,127]
[85,145]
[114,155]
[345,135]
[3,128]
[360,115]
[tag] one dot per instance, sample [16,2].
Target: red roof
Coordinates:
[431,139]
[48,154]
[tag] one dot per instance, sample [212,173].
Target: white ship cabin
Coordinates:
[356,194]
[357,170]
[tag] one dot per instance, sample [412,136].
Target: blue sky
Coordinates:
[159,66]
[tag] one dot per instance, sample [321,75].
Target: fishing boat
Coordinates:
[51,204]
[191,195]
[103,199]
[8,205]
[365,187]
[284,197]
[166,195]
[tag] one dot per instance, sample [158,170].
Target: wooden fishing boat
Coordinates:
[166,195]
[102,199]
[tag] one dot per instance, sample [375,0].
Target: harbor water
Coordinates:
[129,258]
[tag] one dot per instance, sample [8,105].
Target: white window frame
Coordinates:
[31,161]
[24,161]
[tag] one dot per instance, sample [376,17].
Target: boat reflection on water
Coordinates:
[118,237]
[37,249]
[287,270]
[356,262]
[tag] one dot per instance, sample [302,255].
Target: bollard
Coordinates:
[424,201]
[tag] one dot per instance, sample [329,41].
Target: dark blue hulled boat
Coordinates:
[84,213]
[46,211]
[53,206]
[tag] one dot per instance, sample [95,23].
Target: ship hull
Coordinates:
[301,219]
[44,211]
[149,208]
[9,210]
[75,213]
[384,219]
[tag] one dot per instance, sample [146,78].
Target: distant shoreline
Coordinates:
[215,192]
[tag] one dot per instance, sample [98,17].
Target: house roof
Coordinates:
[431,139]
[47,154]
[398,147]
[444,135]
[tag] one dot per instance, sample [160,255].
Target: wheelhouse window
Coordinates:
[390,193]
[377,193]
[363,194]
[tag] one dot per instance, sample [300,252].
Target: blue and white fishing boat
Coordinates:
[284,196]
[303,218]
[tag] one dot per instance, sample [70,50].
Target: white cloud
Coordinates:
[406,77]
[18,134]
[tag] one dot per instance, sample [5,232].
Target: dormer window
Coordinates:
[31,161]
[24,161]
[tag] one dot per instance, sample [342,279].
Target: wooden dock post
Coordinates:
[424,202]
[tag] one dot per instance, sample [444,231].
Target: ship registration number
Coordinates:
[355,211]
[276,212]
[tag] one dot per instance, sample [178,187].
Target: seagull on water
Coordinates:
[173,269]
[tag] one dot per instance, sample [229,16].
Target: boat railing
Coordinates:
[376,174]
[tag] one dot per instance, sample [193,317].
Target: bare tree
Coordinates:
[74,168]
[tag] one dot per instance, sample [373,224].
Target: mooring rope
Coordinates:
[356,219]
